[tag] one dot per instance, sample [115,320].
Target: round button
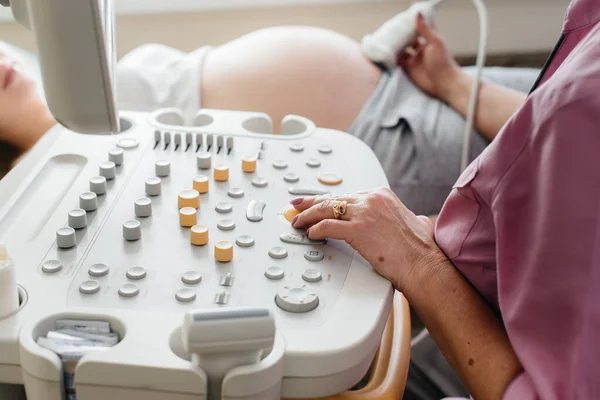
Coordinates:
[260,182]
[325,149]
[221,173]
[188,198]
[223,207]
[313,163]
[153,186]
[297,147]
[98,185]
[77,218]
[314,255]
[188,217]
[278,253]
[191,277]
[51,266]
[107,170]
[143,207]
[280,164]
[223,251]
[236,193]
[291,177]
[88,201]
[162,168]
[136,273]
[249,164]
[128,143]
[116,155]
[203,160]
[330,178]
[65,238]
[290,213]
[98,270]
[185,295]
[226,225]
[89,287]
[245,241]
[274,273]
[132,230]
[199,235]
[296,300]
[312,275]
[201,184]
[129,290]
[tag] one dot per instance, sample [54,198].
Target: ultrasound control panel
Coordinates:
[171,216]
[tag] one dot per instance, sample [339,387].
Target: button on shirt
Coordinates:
[522,223]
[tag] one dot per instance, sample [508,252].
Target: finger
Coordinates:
[330,229]
[318,213]
[302,204]
[425,30]
[411,52]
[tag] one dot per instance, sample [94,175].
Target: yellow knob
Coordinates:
[249,164]
[290,213]
[330,178]
[188,198]
[201,184]
[187,217]
[221,173]
[199,235]
[223,251]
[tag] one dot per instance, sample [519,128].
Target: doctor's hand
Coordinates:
[429,63]
[376,224]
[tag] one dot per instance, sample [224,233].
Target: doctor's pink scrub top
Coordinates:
[523,222]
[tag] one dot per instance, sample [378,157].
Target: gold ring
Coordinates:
[339,209]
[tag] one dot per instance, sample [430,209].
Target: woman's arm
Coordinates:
[400,246]
[465,329]
[496,104]
[429,64]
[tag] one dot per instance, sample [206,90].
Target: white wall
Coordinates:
[516,26]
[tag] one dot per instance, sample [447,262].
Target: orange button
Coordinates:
[290,213]
[187,217]
[223,251]
[221,173]
[201,184]
[188,198]
[330,178]
[249,164]
[199,235]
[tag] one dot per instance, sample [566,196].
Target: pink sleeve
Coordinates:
[547,214]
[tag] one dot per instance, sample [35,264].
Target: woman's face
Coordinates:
[18,96]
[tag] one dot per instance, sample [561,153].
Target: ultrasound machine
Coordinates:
[171,240]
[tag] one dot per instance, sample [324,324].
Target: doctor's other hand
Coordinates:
[429,63]
[396,242]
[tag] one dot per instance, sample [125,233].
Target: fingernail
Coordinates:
[294,220]
[297,201]
[308,233]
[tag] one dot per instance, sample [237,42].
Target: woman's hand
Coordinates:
[376,224]
[429,63]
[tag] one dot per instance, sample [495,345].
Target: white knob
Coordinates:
[153,186]
[162,168]
[98,185]
[88,201]
[116,155]
[132,230]
[204,160]
[65,238]
[77,218]
[107,170]
[143,207]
